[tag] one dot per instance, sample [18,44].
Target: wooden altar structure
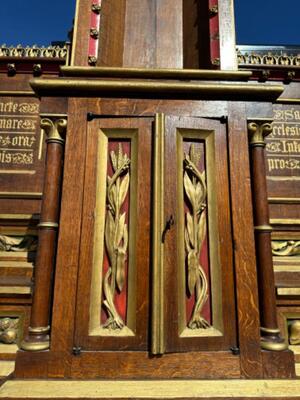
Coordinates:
[152,181]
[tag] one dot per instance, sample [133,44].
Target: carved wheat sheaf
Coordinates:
[195,232]
[116,236]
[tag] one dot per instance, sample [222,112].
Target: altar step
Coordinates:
[167,389]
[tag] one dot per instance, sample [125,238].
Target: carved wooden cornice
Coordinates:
[201,90]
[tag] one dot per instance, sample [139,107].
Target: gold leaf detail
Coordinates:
[194,236]
[116,236]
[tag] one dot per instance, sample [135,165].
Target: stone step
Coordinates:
[165,389]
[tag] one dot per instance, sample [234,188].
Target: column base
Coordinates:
[37,340]
[271,340]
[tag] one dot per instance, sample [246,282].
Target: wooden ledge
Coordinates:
[171,389]
[199,90]
[154,73]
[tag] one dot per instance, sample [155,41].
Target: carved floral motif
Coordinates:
[116,236]
[195,232]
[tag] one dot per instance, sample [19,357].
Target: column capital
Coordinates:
[55,127]
[258,129]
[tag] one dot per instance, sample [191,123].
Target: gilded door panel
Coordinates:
[199,302]
[112,308]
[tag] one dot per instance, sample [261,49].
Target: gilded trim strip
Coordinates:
[22,195]
[287,101]
[167,73]
[284,200]
[282,221]
[157,342]
[24,93]
[48,225]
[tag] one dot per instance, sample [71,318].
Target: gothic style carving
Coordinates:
[18,243]
[8,330]
[116,235]
[285,248]
[195,232]
[268,58]
[34,51]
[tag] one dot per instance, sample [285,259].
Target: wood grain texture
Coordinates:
[140,365]
[243,237]
[220,225]
[81,33]
[112,31]
[278,364]
[169,34]
[69,234]
[139,253]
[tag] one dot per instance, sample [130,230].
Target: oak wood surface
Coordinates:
[243,242]
[225,297]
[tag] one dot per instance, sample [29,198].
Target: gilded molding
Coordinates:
[220,90]
[152,73]
[157,333]
[39,329]
[258,130]
[263,228]
[35,346]
[48,224]
[270,331]
[55,129]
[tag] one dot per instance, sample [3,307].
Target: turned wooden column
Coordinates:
[38,332]
[270,334]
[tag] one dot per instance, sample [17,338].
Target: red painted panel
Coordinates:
[204,254]
[94,24]
[120,298]
[214,34]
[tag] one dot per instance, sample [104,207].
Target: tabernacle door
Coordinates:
[198,269]
[112,303]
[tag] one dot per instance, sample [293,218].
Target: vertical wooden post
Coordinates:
[270,334]
[38,331]
[228,57]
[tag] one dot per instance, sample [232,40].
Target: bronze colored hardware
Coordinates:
[37,69]
[96,8]
[170,222]
[94,33]
[11,68]
[92,60]
[213,11]
[76,350]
